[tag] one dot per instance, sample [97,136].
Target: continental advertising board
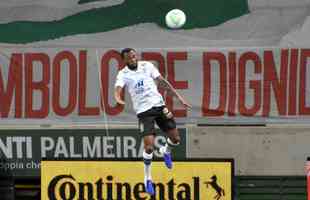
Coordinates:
[117,180]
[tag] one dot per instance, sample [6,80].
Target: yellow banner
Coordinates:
[123,180]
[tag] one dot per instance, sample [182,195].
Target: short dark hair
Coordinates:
[126,50]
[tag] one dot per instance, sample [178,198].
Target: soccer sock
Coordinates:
[170,145]
[147,159]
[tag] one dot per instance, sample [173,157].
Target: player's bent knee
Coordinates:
[148,149]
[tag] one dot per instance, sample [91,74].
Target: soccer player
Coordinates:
[140,78]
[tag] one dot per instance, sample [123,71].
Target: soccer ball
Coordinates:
[175,18]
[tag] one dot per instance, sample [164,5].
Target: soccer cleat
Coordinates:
[167,157]
[149,187]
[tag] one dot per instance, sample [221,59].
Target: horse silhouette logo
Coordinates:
[219,190]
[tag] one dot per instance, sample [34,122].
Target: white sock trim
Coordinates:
[171,143]
[148,156]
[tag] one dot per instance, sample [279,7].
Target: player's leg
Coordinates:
[172,141]
[146,124]
[167,124]
[147,159]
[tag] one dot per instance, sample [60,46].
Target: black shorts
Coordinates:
[161,115]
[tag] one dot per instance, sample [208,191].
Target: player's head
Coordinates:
[129,56]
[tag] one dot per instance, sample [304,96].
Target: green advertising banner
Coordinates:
[22,150]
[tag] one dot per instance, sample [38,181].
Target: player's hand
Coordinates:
[121,102]
[185,103]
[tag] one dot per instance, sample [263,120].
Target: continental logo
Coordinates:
[123,180]
[66,187]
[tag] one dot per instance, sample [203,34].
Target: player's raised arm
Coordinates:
[163,83]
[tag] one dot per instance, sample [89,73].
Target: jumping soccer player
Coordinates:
[140,77]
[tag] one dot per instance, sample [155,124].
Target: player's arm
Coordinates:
[118,95]
[163,83]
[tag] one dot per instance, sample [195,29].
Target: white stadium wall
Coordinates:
[272,150]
